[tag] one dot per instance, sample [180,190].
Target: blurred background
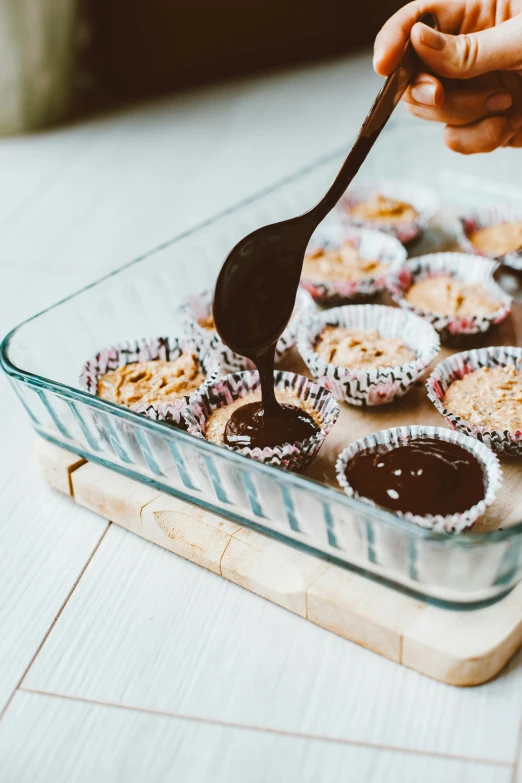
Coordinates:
[62,57]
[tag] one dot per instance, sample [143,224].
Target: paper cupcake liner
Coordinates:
[200,306]
[483,217]
[144,350]
[223,391]
[453,523]
[375,386]
[424,201]
[463,266]
[457,366]
[373,245]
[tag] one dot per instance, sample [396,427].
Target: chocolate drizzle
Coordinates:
[423,476]
[250,426]
[256,288]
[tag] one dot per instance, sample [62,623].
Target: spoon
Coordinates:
[257,285]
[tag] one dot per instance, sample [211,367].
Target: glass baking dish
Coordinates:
[43,356]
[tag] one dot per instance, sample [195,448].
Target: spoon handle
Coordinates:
[394,88]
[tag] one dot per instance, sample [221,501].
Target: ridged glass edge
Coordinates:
[328,494]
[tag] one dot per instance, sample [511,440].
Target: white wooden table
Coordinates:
[118,660]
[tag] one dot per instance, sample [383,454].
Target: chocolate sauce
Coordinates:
[256,288]
[425,476]
[248,426]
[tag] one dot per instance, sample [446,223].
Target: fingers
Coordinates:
[425,91]
[482,136]
[465,56]
[458,106]
[391,40]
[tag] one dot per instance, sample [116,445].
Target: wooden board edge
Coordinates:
[56,465]
[244,557]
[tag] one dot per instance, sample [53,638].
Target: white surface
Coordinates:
[65,740]
[143,629]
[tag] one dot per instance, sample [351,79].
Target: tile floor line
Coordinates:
[269,730]
[62,607]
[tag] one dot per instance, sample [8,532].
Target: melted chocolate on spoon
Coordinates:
[425,476]
[256,288]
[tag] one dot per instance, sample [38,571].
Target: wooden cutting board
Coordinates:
[459,648]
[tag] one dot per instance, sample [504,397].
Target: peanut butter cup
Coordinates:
[229,413]
[447,295]
[479,393]
[152,382]
[367,354]
[154,377]
[494,231]
[398,207]
[455,292]
[384,210]
[344,263]
[498,241]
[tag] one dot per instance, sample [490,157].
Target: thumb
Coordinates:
[464,56]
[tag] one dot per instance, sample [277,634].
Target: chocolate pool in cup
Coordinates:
[459,365]
[462,267]
[379,385]
[387,253]
[226,390]
[430,455]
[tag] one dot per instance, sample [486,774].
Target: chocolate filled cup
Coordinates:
[209,410]
[445,469]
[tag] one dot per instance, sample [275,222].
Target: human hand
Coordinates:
[478,56]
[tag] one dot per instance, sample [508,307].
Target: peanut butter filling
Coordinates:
[488,397]
[381,209]
[445,295]
[361,349]
[151,382]
[207,323]
[323,266]
[498,240]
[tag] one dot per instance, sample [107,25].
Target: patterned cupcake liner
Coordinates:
[200,306]
[424,201]
[493,215]
[373,245]
[463,266]
[376,386]
[456,367]
[453,523]
[223,391]
[144,350]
